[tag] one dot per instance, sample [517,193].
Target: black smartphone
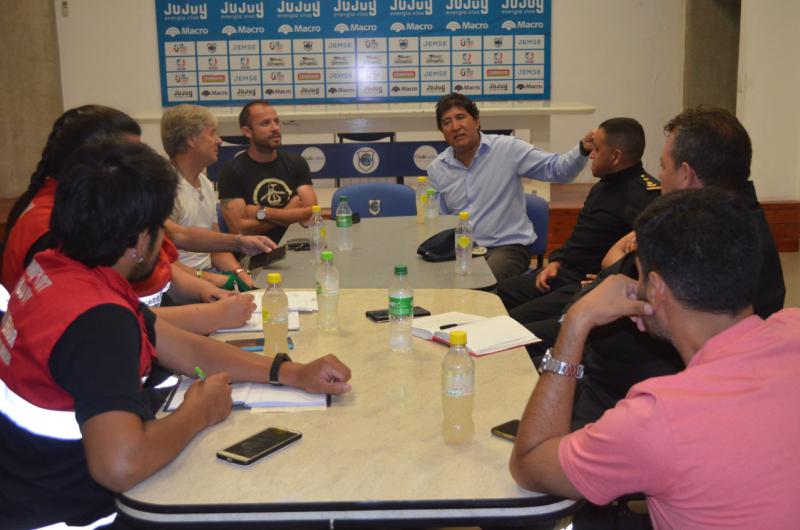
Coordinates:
[382,315]
[299,244]
[246,343]
[259,261]
[258,446]
[507,430]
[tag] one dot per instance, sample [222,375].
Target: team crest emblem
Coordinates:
[374,206]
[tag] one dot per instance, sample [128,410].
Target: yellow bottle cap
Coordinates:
[422,179]
[464,216]
[316,208]
[458,338]
[274,277]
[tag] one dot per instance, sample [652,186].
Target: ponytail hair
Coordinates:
[71,130]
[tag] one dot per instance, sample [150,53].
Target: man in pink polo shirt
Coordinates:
[713,446]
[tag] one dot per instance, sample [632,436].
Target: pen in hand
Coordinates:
[201,375]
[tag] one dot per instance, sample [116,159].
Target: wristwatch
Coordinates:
[557,366]
[261,213]
[276,367]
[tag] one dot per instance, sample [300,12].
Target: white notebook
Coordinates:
[258,395]
[487,335]
[254,324]
[426,327]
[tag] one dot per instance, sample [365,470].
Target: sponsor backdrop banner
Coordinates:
[378,159]
[218,52]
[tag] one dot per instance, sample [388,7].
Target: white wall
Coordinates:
[623,56]
[767,103]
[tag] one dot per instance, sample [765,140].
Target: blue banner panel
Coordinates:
[379,159]
[217,52]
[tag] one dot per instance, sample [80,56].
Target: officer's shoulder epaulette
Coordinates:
[649,183]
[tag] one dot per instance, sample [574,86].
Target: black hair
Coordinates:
[244,115]
[714,143]
[705,246]
[70,130]
[109,192]
[625,134]
[455,99]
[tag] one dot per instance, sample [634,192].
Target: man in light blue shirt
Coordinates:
[482,174]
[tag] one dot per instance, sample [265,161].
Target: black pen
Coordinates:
[448,326]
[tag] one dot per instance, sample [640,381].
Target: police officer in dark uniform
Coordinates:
[704,148]
[608,213]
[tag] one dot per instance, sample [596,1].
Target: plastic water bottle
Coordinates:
[317,233]
[401,305]
[463,244]
[432,206]
[274,315]
[327,293]
[422,198]
[344,225]
[458,391]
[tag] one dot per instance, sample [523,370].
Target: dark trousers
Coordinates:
[507,261]
[525,303]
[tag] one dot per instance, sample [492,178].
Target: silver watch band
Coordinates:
[557,366]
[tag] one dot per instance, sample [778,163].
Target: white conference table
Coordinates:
[380,243]
[376,456]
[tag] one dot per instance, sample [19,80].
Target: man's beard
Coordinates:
[142,271]
[268,145]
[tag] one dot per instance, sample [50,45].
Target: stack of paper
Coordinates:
[484,335]
[257,395]
[298,301]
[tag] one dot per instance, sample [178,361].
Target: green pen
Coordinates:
[200,373]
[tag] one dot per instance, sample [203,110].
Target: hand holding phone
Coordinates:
[258,446]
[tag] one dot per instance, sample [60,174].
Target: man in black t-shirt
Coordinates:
[263,190]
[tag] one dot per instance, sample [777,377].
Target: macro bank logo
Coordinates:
[341,28]
[185,11]
[172,31]
[229,30]
[398,27]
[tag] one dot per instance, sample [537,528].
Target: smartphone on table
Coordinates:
[507,430]
[258,446]
[382,315]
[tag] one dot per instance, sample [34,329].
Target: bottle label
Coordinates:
[343,221]
[319,288]
[264,316]
[401,307]
[463,241]
[458,385]
[322,232]
[278,317]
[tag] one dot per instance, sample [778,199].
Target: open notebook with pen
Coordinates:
[258,395]
[299,301]
[484,335]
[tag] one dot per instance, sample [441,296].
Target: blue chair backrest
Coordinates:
[223,226]
[539,213]
[394,199]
